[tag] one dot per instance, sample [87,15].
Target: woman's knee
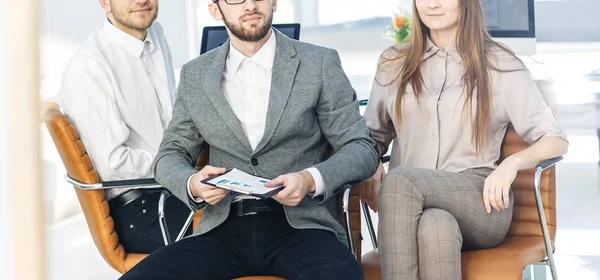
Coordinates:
[399,180]
[437,222]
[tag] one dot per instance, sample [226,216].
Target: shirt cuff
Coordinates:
[319,184]
[189,191]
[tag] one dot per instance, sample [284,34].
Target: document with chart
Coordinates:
[242,182]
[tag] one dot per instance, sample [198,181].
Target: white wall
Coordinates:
[64,24]
[567,20]
[6,264]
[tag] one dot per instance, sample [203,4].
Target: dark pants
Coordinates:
[257,245]
[137,225]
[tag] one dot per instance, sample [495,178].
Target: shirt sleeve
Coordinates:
[189,190]
[526,108]
[87,95]
[319,183]
[379,122]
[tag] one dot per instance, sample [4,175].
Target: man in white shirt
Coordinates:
[272,107]
[119,89]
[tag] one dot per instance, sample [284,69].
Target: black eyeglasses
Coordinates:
[234,2]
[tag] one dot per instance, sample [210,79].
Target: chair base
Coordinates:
[535,272]
[505,262]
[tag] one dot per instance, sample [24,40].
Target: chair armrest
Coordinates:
[346,210]
[347,188]
[548,163]
[385,159]
[538,171]
[350,185]
[539,168]
[135,183]
[162,219]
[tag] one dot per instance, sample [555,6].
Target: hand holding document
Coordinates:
[238,181]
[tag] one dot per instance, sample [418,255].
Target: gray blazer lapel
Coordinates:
[284,73]
[212,77]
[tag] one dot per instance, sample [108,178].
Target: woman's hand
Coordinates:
[369,188]
[497,186]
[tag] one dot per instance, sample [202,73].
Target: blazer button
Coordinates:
[254,161]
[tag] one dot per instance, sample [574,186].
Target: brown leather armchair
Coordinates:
[530,239]
[89,189]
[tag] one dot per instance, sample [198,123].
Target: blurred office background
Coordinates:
[565,52]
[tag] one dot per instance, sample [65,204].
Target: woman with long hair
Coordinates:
[446,98]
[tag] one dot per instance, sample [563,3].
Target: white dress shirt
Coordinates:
[246,85]
[119,93]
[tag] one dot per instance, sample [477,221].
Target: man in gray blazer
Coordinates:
[272,107]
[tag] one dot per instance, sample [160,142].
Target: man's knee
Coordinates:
[336,268]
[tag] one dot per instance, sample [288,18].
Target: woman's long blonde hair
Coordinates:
[473,43]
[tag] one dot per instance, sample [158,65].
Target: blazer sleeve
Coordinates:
[355,158]
[180,146]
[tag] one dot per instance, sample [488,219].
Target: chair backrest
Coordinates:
[215,36]
[79,167]
[525,221]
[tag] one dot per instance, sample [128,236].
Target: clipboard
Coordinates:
[241,182]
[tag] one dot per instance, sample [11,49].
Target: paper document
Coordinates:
[242,182]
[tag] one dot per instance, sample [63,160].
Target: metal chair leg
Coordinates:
[553,268]
[370,226]
[162,220]
[187,224]
[540,209]
[346,210]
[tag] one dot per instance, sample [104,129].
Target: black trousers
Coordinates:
[137,225]
[257,245]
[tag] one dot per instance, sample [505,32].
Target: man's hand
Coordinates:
[296,186]
[210,194]
[369,188]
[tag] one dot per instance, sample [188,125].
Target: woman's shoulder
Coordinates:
[502,58]
[394,54]
[390,63]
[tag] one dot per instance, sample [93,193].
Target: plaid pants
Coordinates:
[427,217]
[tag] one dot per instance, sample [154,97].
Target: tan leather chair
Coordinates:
[90,191]
[530,239]
[95,208]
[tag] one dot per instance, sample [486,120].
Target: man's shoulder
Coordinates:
[304,49]
[89,54]
[202,61]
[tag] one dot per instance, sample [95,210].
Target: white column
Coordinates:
[24,167]
[193,33]
[174,17]
[6,261]
[306,12]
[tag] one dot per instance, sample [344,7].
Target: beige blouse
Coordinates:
[436,134]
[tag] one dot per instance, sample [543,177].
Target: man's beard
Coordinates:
[123,20]
[249,35]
